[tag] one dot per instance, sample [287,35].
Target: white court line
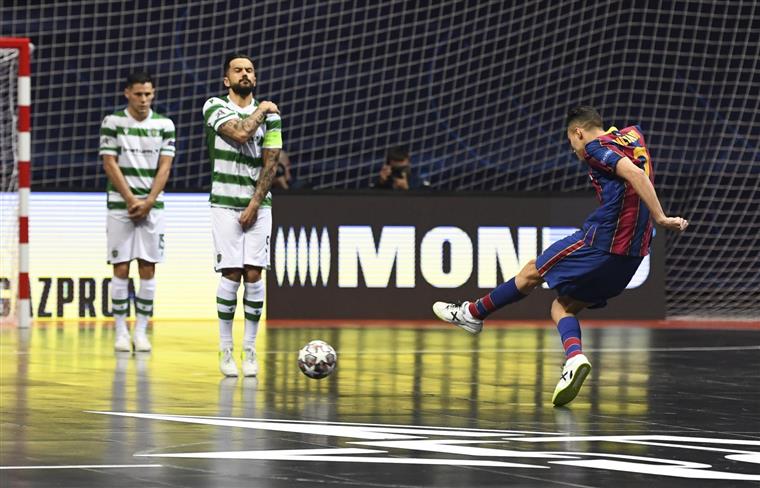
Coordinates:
[343,352]
[86,466]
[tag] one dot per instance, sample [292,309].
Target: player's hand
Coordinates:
[385,173]
[248,216]
[268,107]
[401,183]
[139,209]
[677,224]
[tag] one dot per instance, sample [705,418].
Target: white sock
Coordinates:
[226,302]
[253,302]
[120,304]
[144,304]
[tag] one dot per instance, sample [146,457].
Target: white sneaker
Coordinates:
[227,363]
[122,343]
[457,314]
[141,342]
[250,365]
[574,373]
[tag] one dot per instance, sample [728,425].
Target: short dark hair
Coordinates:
[585,116]
[396,153]
[138,77]
[233,56]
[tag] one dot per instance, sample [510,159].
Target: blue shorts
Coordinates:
[585,273]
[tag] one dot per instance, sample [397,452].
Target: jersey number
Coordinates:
[640,153]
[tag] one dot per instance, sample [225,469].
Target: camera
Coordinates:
[399,171]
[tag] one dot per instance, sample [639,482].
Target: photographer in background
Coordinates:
[283,177]
[396,173]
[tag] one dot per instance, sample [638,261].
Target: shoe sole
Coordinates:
[568,394]
[467,328]
[461,326]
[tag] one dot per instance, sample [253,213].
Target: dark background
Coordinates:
[477,90]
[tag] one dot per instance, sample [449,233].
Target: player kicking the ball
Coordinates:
[597,262]
[244,139]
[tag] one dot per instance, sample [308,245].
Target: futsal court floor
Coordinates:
[668,404]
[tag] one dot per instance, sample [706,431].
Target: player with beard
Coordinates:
[244,138]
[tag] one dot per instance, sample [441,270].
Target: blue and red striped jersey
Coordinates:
[622,224]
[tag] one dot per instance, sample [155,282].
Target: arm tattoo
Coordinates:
[266,176]
[249,124]
[254,122]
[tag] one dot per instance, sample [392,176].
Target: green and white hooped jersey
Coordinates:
[236,167]
[137,146]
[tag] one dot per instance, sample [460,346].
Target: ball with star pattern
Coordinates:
[317,359]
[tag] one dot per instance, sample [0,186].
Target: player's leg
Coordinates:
[564,310]
[226,304]
[256,258]
[470,315]
[149,250]
[591,277]
[577,367]
[144,304]
[253,303]
[120,306]
[228,260]
[120,237]
[508,292]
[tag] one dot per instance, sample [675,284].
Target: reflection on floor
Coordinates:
[169,418]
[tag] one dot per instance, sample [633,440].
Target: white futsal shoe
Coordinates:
[227,363]
[458,314]
[250,364]
[574,373]
[141,343]
[123,343]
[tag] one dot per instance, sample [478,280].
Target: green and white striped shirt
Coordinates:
[236,167]
[137,146]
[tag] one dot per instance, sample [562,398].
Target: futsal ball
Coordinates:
[317,359]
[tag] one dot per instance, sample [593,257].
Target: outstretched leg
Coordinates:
[470,315]
[577,367]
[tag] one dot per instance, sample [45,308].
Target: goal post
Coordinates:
[16,93]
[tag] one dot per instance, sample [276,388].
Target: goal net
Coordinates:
[8,185]
[477,90]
